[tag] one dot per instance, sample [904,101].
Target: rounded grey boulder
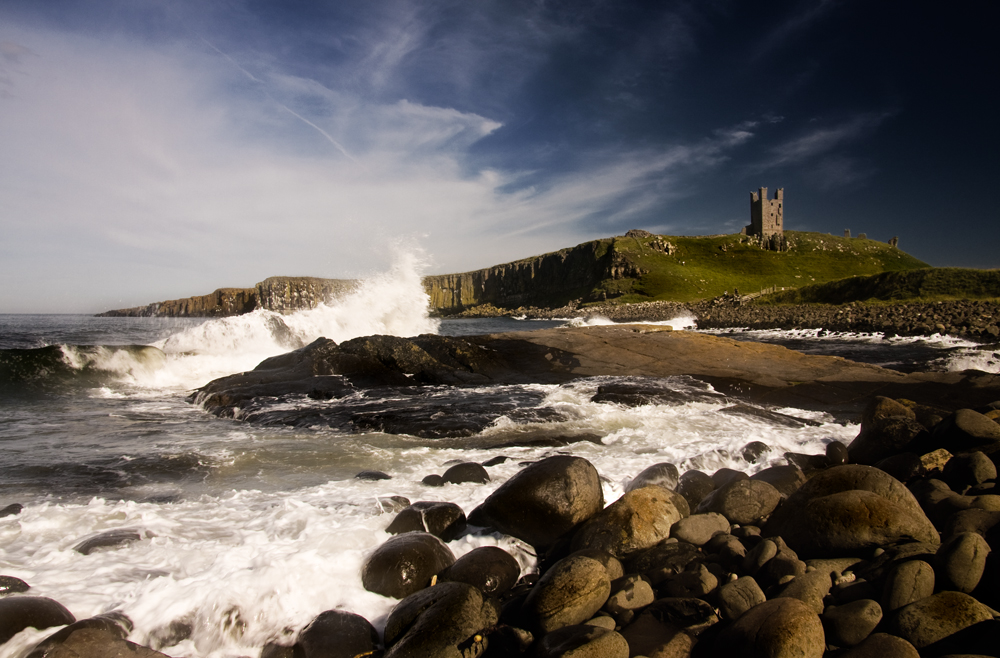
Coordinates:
[960,562]
[907,582]
[779,628]
[337,634]
[489,568]
[20,612]
[449,619]
[441,519]
[544,501]
[569,593]
[938,616]
[405,564]
[662,474]
[849,624]
[745,502]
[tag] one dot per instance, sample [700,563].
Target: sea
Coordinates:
[246,531]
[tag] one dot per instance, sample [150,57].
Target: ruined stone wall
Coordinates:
[766,215]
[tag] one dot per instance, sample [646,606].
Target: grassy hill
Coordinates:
[704,267]
[920,285]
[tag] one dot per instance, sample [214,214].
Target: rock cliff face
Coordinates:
[549,280]
[282,294]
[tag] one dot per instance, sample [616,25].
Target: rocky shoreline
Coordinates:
[970,319]
[883,548]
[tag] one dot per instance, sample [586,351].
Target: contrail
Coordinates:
[295,114]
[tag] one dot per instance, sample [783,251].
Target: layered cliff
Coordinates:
[551,279]
[282,294]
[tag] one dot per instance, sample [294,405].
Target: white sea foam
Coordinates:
[243,566]
[392,302]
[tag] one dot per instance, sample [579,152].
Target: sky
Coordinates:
[159,149]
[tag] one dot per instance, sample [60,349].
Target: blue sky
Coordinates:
[155,149]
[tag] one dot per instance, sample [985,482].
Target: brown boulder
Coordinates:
[639,519]
[569,593]
[779,628]
[938,616]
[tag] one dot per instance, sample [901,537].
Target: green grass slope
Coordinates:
[921,285]
[705,267]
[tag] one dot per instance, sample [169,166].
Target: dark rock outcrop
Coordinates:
[405,564]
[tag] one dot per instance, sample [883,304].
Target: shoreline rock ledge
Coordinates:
[759,373]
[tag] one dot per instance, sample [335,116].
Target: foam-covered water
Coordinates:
[250,530]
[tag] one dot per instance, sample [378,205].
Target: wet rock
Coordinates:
[697,529]
[837,453]
[786,478]
[724,476]
[433,480]
[441,519]
[968,470]
[662,475]
[405,564]
[849,624]
[275,650]
[639,519]
[544,501]
[12,585]
[569,593]
[466,472]
[336,634]
[880,407]
[882,645]
[759,555]
[848,509]
[967,430]
[494,461]
[694,486]
[98,643]
[449,619]
[938,616]
[904,466]
[691,614]
[582,641]
[743,501]
[115,625]
[20,612]
[611,563]
[883,438]
[906,583]
[779,628]
[960,562]
[490,568]
[752,452]
[738,596]
[11,510]
[726,549]
[665,559]
[372,476]
[109,539]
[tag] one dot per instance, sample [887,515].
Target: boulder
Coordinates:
[883,438]
[738,596]
[93,642]
[449,619]
[544,501]
[848,509]
[441,519]
[12,585]
[639,519]
[837,453]
[582,641]
[696,581]
[114,626]
[743,501]
[336,634]
[960,562]
[937,617]
[968,470]
[907,582]
[11,510]
[694,486]
[882,645]
[967,430]
[753,451]
[108,539]
[849,624]
[628,594]
[405,564]
[466,472]
[20,612]
[665,559]
[490,568]
[810,588]
[779,628]
[372,476]
[697,529]
[569,593]
[786,478]
[662,475]
[724,476]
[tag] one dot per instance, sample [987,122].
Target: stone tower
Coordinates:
[766,215]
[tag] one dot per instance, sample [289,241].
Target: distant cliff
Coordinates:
[548,280]
[282,294]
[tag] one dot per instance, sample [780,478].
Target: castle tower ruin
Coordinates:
[766,215]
